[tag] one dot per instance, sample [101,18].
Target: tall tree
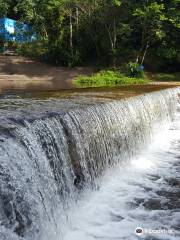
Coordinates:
[150,17]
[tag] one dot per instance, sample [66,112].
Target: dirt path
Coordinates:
[19,73]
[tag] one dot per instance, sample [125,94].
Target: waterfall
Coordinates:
[48,159]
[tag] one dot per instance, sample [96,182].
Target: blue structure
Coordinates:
[11,30]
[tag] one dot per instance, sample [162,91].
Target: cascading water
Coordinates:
[53,151]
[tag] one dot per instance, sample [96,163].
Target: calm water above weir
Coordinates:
[80,166]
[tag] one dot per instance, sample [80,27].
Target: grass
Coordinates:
[107,78]
[166,77]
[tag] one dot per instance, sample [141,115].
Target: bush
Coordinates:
[106,78]
[35,50]
[60,55]
[134,70]
[72,60]
[41,50]
[167,77]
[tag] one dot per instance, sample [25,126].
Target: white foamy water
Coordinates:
[143,194]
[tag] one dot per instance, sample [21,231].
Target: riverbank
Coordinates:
[22,74]
[19,74]
[115,78]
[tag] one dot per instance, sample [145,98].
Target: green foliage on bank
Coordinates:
[166,77]
[134,70]
[36,50]
[104,32]
[108,78]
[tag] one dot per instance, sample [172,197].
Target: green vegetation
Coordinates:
[107,78]
[134,70]
[166,77]
[104,32]
[34,50]
[130,74]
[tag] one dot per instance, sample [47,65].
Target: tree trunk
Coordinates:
[112,38]
[77,18]
[145,53]
[114,44]
[114,34]
[71,33]
[142,44]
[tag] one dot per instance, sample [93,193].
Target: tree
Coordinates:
[168,50]
[4,6]
[150,17]
[104,31]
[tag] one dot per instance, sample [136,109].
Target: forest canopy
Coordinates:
[109,32]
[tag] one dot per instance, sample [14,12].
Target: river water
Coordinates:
[145,194]
[81,168]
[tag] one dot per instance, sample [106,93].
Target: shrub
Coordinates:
[134,70]
[35,50]
[107,78]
